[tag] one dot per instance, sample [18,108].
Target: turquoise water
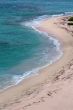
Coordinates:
[21,48]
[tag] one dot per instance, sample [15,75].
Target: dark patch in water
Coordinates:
[6,43]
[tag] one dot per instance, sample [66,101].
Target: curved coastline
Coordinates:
[32,24]
[49,26]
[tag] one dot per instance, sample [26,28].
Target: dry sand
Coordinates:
[52,88]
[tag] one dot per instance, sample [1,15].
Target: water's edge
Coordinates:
[32,25]
[56,42]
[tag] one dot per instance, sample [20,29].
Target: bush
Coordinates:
[70,19]
[70,23]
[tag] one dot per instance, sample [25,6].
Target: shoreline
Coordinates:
[35,71]
[48,73]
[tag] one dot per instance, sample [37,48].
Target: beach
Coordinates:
[51,88]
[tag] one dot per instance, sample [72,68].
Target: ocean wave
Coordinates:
[68,13]
[36,22]
[18,78]
[32,24]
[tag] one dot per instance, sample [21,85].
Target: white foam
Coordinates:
[32,24]
[36,22]
[18,78]
[57,15]
[68,13]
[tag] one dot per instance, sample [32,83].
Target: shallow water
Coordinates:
[22,49]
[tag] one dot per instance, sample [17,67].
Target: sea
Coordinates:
[23,49]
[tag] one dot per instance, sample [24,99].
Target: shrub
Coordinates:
[70,19]
[70,23]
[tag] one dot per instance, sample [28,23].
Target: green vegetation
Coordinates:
[70,23]
[70,19]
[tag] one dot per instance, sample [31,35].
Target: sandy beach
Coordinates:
[52,87]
